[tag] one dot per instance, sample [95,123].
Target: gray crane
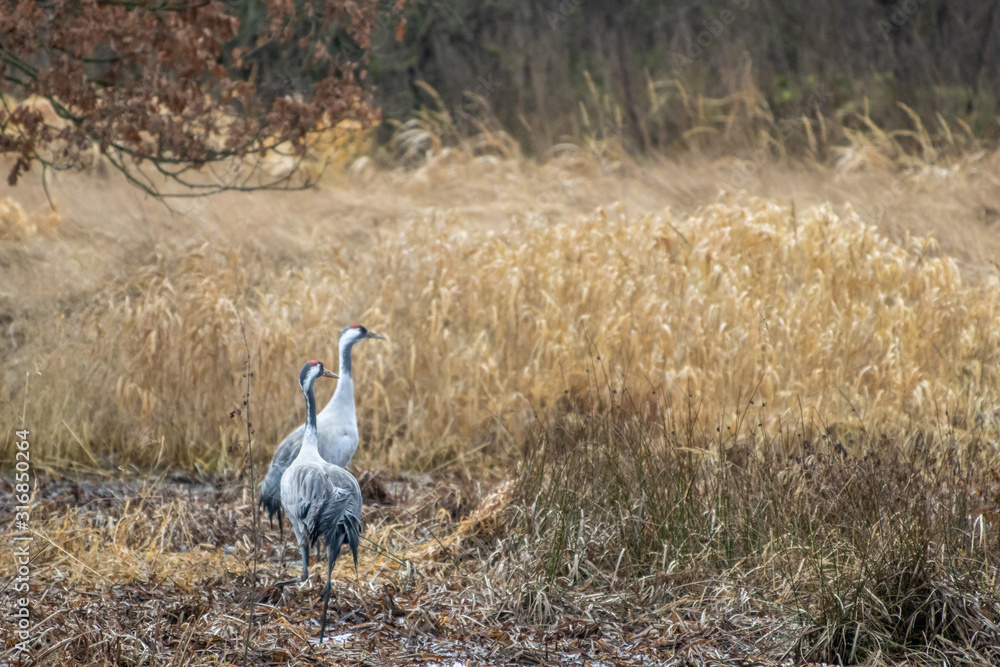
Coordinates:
[322,500]
[336,424]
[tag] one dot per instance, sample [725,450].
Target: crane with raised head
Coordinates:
[322,500]
[336,428]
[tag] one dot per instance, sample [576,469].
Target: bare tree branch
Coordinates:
[179,85]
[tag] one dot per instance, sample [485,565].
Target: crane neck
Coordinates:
[309,437]
[342,401]
[345,358]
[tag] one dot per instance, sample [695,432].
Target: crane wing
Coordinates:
[270,490]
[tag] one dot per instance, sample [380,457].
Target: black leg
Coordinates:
[326,597]
[281,539]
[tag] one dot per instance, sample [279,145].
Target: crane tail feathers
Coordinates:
[271,503]
[345,531]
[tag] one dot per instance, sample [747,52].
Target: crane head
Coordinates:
[312,370]
[357,332]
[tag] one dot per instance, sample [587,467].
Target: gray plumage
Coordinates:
[322,500]
[336,425]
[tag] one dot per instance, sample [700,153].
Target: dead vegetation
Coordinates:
[619,540]
[488,325]
[877,547]
[18,225]
[732,410]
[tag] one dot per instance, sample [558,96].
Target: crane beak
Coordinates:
[329,374]
[372,334]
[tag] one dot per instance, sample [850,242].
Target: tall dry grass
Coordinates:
[816,314]
[884,555]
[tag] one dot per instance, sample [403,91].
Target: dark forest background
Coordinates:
[654,71]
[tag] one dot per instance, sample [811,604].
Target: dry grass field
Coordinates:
[690,412]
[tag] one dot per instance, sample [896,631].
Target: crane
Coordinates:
[336,425]
[322,500]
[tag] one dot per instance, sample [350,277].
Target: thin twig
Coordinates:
[251,601]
